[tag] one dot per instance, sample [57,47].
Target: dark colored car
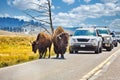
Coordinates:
[118,38]
[115,42]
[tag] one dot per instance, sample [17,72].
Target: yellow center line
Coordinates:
[99,67]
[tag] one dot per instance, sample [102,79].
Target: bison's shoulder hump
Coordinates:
[43,35]
[58,30]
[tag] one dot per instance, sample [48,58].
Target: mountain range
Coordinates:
[14,24]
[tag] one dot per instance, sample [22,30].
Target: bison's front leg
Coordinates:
[56,51]
[40,55]
[45,53]
[57,55]
[63,52]
[62,56]
[49,50]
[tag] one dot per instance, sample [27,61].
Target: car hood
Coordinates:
[86,37]
[105,35]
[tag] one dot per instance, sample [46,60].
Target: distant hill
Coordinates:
[14,24]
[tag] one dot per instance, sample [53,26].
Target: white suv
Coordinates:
[85,39]
[107,38]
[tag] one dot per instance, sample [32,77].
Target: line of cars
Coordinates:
[118,38]
[92,39]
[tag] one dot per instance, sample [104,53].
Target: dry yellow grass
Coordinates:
[16,49]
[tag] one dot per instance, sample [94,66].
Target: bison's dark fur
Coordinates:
[60,41]
[42,42]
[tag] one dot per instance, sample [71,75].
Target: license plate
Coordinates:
[82,45]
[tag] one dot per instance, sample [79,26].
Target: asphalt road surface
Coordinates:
[73,67]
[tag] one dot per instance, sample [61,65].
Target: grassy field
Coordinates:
[16,49]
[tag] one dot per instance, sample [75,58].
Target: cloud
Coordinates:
[68,1]
[115,24]
[53,7]
[26,4]
[97,10]
[87,1]
[79,14]
[110,1]
[4,15]
[25,18]
[66,19]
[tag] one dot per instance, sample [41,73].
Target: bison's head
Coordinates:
[34,46]
[63,39]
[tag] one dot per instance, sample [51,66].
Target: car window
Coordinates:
[84,33]
[102,31]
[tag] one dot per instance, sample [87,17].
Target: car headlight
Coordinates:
[94,42]
[72,41]
[114,39]
[108,38]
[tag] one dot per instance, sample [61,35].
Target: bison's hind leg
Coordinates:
[57,55]
[62,56]
[40,56]
[45,51]
[49,51]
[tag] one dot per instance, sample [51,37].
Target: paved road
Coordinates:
[112,72]
[72,68]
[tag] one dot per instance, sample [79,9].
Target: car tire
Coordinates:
[100,50]
[70,52]
[97,50]
[116,45]
[76,51]
[109,48]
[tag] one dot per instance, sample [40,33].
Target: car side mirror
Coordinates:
[112,34]
[71,35]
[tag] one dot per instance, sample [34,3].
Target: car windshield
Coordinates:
[118,36]
[84,33]
[102,31]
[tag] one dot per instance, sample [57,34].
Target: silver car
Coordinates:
[85,39]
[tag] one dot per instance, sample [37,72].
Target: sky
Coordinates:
[68,13]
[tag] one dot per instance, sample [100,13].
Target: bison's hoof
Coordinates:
[62,58]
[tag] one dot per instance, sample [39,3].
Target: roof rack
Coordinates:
[100,26]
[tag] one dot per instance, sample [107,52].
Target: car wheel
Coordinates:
[100,50]
[76,51]
[116,45]
[97,50]
[109,48]
[70,52]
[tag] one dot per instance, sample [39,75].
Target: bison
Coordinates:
[42,42]
[60,42]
